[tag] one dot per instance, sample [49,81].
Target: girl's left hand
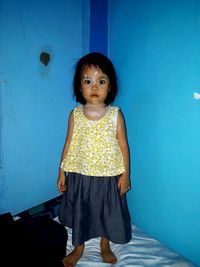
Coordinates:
[124,184]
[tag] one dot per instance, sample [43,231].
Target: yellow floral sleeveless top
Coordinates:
[94,148]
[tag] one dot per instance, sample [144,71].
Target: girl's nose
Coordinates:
[95,86]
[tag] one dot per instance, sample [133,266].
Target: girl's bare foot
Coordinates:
[71,259]
[106,253]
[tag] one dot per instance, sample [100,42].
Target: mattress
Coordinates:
[142,250]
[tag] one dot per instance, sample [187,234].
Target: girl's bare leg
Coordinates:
[71,259]
[106,253]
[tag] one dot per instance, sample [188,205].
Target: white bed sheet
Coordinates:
[141,251]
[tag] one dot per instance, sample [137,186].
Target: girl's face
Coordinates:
[94,85]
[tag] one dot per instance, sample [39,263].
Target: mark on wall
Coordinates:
[196,96]
[45,58]
[45,61]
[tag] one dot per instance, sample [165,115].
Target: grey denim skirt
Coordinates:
[93,207]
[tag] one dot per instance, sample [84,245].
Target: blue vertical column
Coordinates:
[99,26]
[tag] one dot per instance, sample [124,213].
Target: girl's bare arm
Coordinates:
[124,180]
[61,184]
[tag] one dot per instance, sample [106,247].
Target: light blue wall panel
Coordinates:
[155,47]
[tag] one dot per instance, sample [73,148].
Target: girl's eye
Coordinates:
[87,81]
[102,81]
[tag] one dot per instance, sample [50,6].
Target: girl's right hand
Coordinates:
[61,183]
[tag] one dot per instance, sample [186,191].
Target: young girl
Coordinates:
[94,169]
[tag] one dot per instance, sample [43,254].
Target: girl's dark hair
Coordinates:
[102,62]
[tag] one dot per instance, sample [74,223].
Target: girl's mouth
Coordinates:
[94,95]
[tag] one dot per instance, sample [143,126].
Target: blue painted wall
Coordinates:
[36,99]
[155,46]
[99,26]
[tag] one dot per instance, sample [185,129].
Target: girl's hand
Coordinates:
[61,183]
[124,184]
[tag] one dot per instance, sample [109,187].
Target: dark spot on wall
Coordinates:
[45,58]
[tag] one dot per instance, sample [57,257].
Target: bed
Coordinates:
[142,250]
